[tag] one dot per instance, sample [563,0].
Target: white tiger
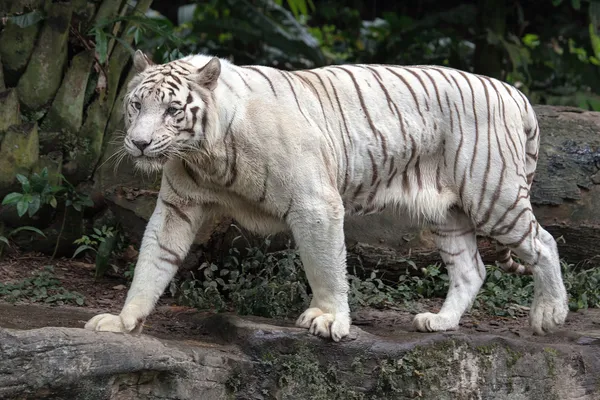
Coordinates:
[298,150]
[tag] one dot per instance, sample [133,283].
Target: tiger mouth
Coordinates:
[161,158]
[150,164]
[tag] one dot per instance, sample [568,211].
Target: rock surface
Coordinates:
[227,357]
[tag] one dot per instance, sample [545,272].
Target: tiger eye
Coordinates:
[172,111]
[137,105]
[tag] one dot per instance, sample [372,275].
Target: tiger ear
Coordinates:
[208,75]
[141,61]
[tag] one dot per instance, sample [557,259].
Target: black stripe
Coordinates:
[375,131]
[264,76]
[176,210]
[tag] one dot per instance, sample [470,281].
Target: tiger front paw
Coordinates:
[114,323]
[430,322]
[335,326]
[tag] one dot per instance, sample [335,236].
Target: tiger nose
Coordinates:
[141,144]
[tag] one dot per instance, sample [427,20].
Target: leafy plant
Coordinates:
[260,283]
[503,294]
[274,285]
[583,286]
[4,240]
[36,191]
[138,27]
[129,271]
[103,242]
[43,286]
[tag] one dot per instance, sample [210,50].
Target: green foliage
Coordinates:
[298,7]
[503,293]
[375,292]
[261,283]
[274,285]
[36,191]
[103,242]
[160,30]
[43,286]
[583,286]
[129,271]
[261,31]
[4,239]
[92,241]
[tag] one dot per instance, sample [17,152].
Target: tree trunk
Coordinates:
[56,98]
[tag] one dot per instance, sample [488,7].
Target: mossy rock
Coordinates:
[16,46]
[89,144]
[53,162]
[19,152]
[9,109]
[66,112]
[2,84]
[44,72]
[19,6]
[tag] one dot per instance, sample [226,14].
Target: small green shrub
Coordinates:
[129,271]
[502,291]
[43,286]
[104,242]
[4,239]
[37,191]
[274,285]
[261,283]
[583,286]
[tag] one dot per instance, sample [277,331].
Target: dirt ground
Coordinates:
[170,321]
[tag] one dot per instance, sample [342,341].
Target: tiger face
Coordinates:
[168,109]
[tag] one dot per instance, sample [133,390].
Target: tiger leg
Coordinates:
[319,235]
[457,244]
[536,247]
[167,239]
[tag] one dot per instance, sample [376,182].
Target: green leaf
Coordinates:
[137,36]
[27,228]
[53,202]
[4,240]
[24,182]
[81,249]
[101,45]
[22,207]
[34,205]
[103,255]
[25,20]
[12,198]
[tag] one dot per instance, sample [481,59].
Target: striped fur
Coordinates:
[298,150]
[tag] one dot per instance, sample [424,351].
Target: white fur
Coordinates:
[298,151]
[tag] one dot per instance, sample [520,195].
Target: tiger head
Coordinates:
[168,109]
